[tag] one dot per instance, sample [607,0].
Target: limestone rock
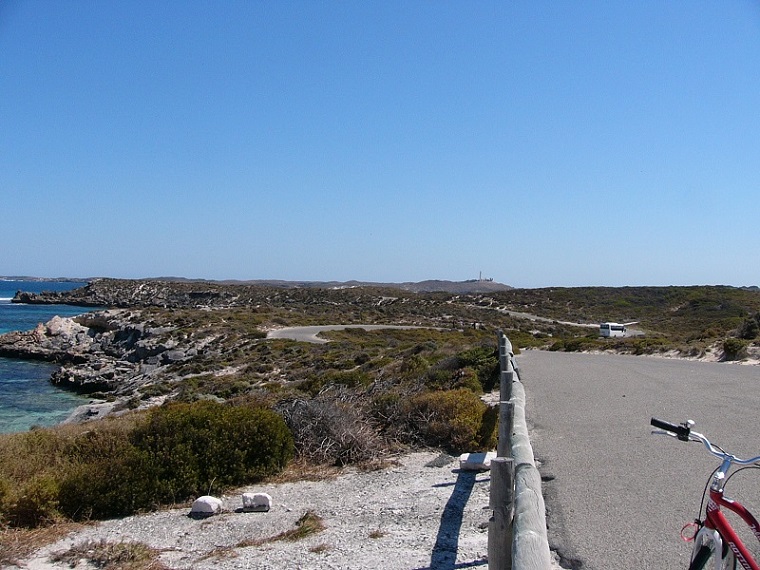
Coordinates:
[205,506]
[476,461]
[256,502]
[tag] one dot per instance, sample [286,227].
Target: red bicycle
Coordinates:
[716,544]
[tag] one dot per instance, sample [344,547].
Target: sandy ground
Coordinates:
[423,513]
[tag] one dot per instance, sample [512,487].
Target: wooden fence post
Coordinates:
[506,411]
[506,421]
[500,524]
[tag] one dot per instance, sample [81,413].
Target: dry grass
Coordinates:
[112,555]
[301,470]
[220,552]
[309,524]
[18,544]
[378,464]
[323,547]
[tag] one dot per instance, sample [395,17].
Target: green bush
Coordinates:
[37,503]
[439,378]
[348,378]
[196,446]
[140,461]
[734,348]
[487,436]
[117,485]
[484,360]
[750,328]
[413,366]
[451,419]
[469,379]
[5,491]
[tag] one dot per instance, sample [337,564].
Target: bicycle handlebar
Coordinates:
[684,433]
[681,431]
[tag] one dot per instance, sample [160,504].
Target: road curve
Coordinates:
[616,495]
[310,334]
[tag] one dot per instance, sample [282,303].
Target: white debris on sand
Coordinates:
[422,513]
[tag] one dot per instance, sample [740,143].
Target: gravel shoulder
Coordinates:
[421,513]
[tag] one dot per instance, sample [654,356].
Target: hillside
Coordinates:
[204,348]
[165,331]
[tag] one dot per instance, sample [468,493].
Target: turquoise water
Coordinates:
[26,396]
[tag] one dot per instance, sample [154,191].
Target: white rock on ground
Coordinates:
[476,461]
[206,506]
[257,502]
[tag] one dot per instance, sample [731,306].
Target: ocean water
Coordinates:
[27,398]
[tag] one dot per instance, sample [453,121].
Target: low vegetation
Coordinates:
[350,401]
[111,555]
[243,407]
[309,524]
[126,465]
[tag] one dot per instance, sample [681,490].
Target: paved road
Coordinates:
[310,334]
[619,496]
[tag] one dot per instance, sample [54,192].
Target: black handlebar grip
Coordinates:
[682,431]
[667,426]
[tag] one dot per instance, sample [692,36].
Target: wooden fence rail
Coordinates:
[517,530]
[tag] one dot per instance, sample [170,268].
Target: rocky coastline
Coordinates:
[109,354]
[124,293]
[120,349]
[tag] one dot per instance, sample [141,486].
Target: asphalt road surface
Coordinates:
[311,334]
[616,495]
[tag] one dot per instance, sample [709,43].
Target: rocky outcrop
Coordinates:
[104,351]
[60,340]
[131,293]
[213,294]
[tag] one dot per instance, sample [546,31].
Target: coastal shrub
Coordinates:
[750,328]
[487,436]
[349,378]
[450,419]
[557,346]
[734,348]
[5,491]
[25,455]
[37,502]
[330,431]
[345,378]
[121,484]
[468,378]
[639,346]
[414,365]
[195,446]
[476,369]
[439,378]
[578,344]
[484,360]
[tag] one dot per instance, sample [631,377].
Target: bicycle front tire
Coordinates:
[708,554]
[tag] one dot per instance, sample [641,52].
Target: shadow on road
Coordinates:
[444,556]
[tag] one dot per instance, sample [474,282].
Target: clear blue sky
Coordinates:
[553,143]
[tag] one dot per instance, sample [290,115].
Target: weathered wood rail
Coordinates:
[517,536]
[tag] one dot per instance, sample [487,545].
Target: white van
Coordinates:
[611,329]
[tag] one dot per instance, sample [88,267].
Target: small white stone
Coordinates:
[256,502]
[476,461]
[206,506]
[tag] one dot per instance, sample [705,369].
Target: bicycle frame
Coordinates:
[716,524]
[716,520]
